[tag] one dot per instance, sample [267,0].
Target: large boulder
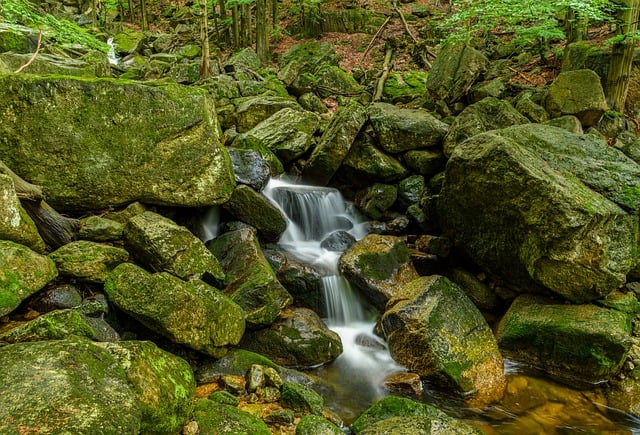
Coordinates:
[190,313]
[400,130]
[335,143]
[580,343]
[434,329]
[250,280]
[95,144]
[250,167]
[251,111]
[218,418]
[543,208]
[55,325]
[22,273]
[88,261]
[304,58]
[160,244]
[298,338]
[15,224]
[378,266]
[577,93]
[65,386]
[454,72]
[487,114]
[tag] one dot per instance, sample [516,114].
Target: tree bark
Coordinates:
[235,26]
[205,67]
[143,11]
[262,41]
[56,230]
[576,27]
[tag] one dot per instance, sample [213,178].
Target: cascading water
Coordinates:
[317,215]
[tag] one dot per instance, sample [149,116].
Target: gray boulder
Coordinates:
[378,266]
[578,93]
[577,343]
[400,130]
[162,245]
[434,329]
[22,273]
[15,224]
[250,167]
[366,163]
[190,313]
[250,280]
[88,261]
[251,111]
[543,208]
[95,144]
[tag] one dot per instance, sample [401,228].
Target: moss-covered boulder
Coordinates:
[128,41]
[22,273]
[88,261]
[400,415]
[307,57]
[335,143]
[95,144]
[316,425]
[375,200]
[487,114]
[403,87]
[434,329]
[100,229]
[15,224]
[298,338]
[243,60]
[333,80]
[378,266]
[301,400]
[190,313]
[251,111]
[580,343]
[17,39]
[577,93]
[163,383]
[400,130]
[425,162]
[162,245]
[65,386]
[256,210]
[455,70]
[217,418]
[250,280]
[544,208]
[96,64]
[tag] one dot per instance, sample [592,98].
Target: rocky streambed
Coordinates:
[504,228]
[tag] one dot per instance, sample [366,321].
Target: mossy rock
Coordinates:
[333,80]
[100,229]
[17,39]
[88,261]
[307,57]
[216,418]
[251,111]
[366,163]
[392,406]
[577,93]
[15,223]
[316,425]
[301,400]
[56,325]
[403,87]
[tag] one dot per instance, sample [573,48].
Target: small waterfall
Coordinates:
[210,224]
[111,55]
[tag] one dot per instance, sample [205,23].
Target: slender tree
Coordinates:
[143,13]
[262,40]
[205,67]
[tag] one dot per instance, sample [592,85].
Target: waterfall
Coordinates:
[111,55]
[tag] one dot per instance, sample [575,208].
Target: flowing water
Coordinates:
[532,404]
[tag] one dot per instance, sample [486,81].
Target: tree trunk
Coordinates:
[131,17]
[617,83]
[262,41]
[576,27]
[274,14]
[235,26]
[56,230]
[204,38]
[143,11]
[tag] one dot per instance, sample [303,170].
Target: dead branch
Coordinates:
[24,189]
[375,37]
[521,75]
[404,22]
[385,73]
[33,57]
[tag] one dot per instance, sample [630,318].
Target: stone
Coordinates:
[378,266]
[410,191]
[404,87]
[101,143]
[298,338]
[17,39]
[245,59]
[303,58]
[250,280]
[100,229]
[566,122]
[128,41]
[480,294]
[333,80]
[190,313]
[400,129]
[56,298]
[15,224]
[434,329]
[217,418]
[529,108]
[251,111]
[56,325]
[316,425]
[577,93]
[301,400]
[376,200]
[162,245]
[96,64]
[425,162]
[249,167]
[22,273]
[88,261]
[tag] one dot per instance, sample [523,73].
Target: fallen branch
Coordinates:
[404,22]
[24,189]
[521,75]
[33,57]
[385,73]
[375,37]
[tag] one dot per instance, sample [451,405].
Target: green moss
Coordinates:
[381,266]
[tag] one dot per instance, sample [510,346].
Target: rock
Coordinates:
[65,386]
[190,313]
[529,108]
[625,394]
[56,325]
[251,111]
[56,298]
[216,418]
[15,224]
[17,39]
[333,80]
[250,167]
[629,144]
[577,93]
[298,338]
[307,57]
[335,143]
[400,130]
[162,245]
[577,343]
[128,41]
[163,383]
[243,60]
[403,87]
[376,200]
[485,115]
[265,85]
[250,280]
[316,425]
[288,133]
[480,294]
[562,234]
[99,229]
[88,261]
[256,210]
[455,70]
[338,241]
[365,163]
[302,400]
[95,65]
[392,414]
[425,162]
[567,122]
[95,144]
[433,329]
[490,88]
[378,266]
[311,102]
[410,191]
[22,273]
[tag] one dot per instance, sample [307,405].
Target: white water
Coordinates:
[313,214]
[111,55]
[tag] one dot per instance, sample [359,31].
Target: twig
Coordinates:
[404,22]
[383,77]
[521,75]
[34,54]
[375,37]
